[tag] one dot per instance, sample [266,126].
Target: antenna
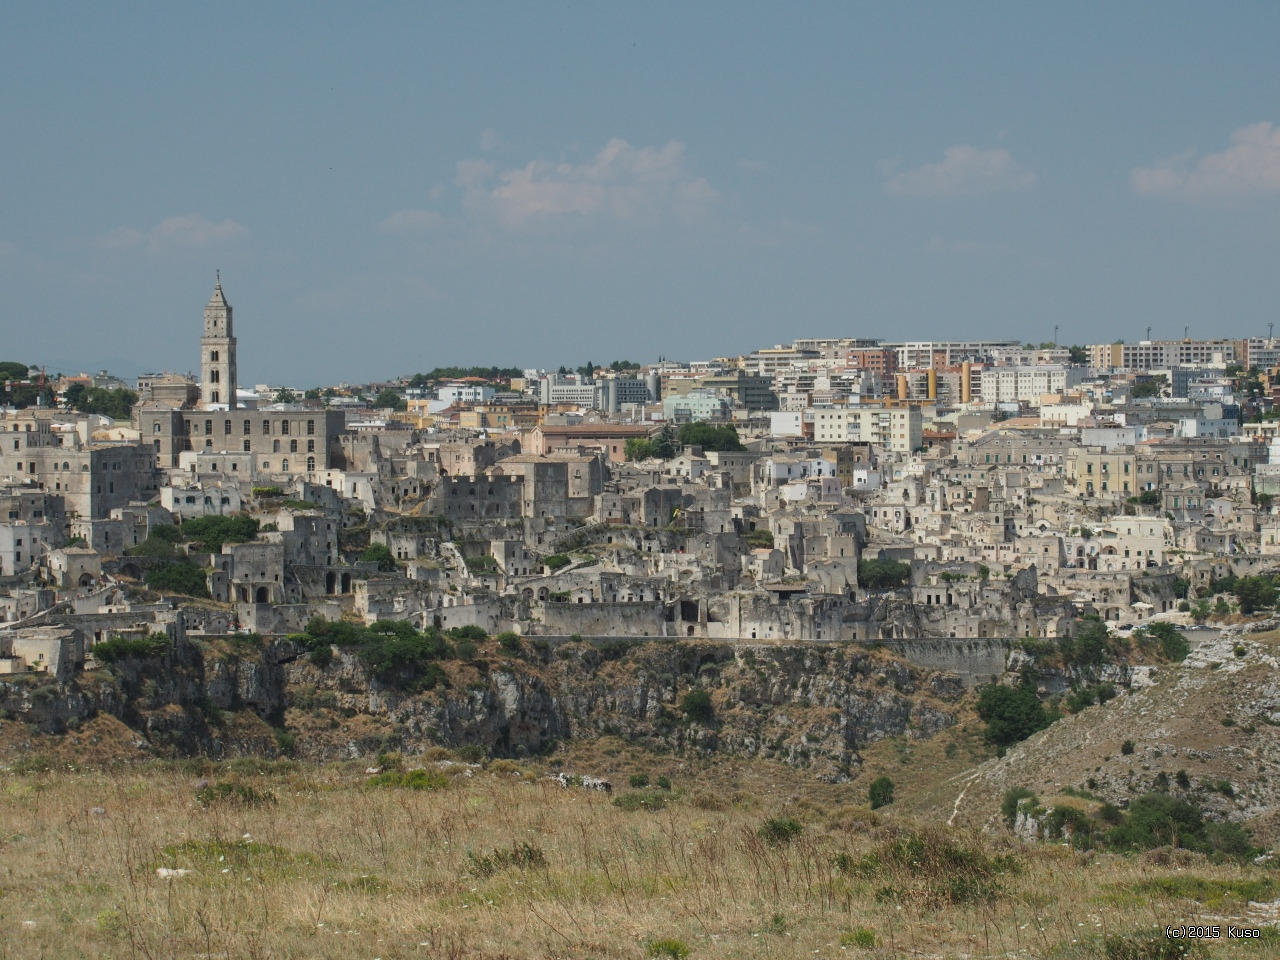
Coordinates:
[1271,330]
[1055,335]
[1148,331]
[1186,332]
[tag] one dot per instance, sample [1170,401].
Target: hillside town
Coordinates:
[917,494]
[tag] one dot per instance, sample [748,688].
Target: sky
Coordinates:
[391,187]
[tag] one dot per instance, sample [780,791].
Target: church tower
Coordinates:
[217,354]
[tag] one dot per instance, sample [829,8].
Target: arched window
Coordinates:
[213,357]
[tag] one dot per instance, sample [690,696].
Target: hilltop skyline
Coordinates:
[400,189]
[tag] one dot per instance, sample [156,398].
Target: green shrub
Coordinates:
[520,856]
[555,561]
[880,793]
[862,937]
[639,780]
[509,641]
[410,780]
[1011,713]
[1127,748]
[642,800]
[182,577]
[110,651]
[697,706]
[380,554]
[471,632]
[667,948]
[883,574]
[664,783]
[321,655]
[239,794]
[1151,945]
[759,539]
[209,533]
[779,831]
[1013,798]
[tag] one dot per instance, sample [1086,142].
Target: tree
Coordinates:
[1264,501]
[1077,354]
[638,448]
[285,395]
[697,706]
[883,574]
[664,448]
[312,394]
[620,366]
[1150,387]
[1254,593]
[880,792]
[181,577]
[388,399]
[380,554]
[710,437]
[13,370]
[1173,645]
[1011,713]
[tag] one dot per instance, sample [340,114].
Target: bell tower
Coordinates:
[217,354]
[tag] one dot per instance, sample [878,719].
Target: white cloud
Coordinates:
[411,221]
[184,232]
[964,170]
[621,182]
[1249,167]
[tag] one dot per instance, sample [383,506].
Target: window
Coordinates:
[311,427]
[266,428]
[275,446]
[226,428]
[293,446]
[213,357]
[214,376]
[155,427]
[311,446]
[247,425]
[284,428]
[284,465]
[208,427]
[213,397]
[246,446]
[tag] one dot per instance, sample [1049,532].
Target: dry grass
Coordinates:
[502,864]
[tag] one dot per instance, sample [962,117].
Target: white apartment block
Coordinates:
[1160,354]
[1026,384]
[896,428]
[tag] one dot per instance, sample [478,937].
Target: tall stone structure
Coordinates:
[217,354]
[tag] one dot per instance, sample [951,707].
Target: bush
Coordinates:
[239,794]
[1127,748]
[520,856]
[697,706]
[555,561]
[1173,646]
[211,532]
[410,780]
[509,641]
[1013,798]
[880,793]
[779,831]
[380,554]
[883,574]
[321,655]
[1151,945]
[759,539]
[667,949]
[664,783]
[862,937]
[642,800]
[182,577]
[639,780]
[1011,713]
[110,651]
[931,868]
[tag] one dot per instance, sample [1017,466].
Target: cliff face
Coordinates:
[809,705]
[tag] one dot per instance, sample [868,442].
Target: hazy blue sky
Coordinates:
[391,187]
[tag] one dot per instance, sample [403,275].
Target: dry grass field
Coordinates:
[254,859]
